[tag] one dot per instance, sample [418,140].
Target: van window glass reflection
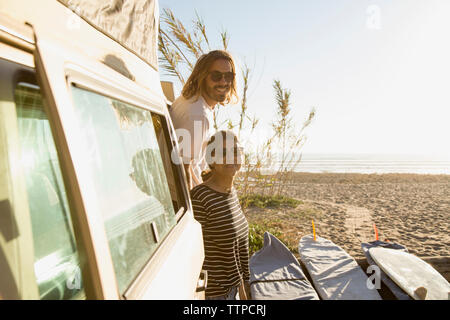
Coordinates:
[128,180]
[56,266]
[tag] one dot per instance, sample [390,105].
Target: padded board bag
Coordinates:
[275,274]
[335,274]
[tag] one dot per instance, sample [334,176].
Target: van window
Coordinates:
[123,158]
[56,260]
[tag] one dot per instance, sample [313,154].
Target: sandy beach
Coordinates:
[410,209]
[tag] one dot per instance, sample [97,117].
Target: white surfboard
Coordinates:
[416,277]
[335,274]
[398,292]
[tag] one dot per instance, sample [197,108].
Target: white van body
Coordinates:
[99,101]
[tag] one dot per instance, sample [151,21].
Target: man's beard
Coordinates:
[218,96]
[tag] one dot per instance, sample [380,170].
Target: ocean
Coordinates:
[367,163]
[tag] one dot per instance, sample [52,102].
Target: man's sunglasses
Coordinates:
[217,76]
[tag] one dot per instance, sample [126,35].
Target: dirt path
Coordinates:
[359,223]
[358,220]
[346,225]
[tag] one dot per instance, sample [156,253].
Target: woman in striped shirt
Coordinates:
[225,228]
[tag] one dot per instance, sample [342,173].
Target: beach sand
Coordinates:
[409,209]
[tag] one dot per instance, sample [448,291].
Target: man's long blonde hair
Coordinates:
[195,85]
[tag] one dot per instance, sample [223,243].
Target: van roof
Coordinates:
[132,23]
[127,33]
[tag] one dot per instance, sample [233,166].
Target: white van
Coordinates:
[91,205]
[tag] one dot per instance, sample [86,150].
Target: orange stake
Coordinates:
[314,230]
[376,231]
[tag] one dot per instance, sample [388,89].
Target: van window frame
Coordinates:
[177,169]
[58,64]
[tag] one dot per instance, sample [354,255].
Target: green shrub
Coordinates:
[277,201]
[256,236]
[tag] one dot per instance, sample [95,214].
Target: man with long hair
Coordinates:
[212,82]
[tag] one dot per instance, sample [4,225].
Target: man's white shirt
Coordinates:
[193,116]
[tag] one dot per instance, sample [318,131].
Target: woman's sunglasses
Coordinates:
[217,76]
[237,151]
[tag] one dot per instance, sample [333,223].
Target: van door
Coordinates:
[38,255]
[130,208]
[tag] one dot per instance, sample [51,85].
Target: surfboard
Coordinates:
[393,287]
[335,274]
[416,277]
[275,274]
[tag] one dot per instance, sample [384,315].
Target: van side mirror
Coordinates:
[167,88]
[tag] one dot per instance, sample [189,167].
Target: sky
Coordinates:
[377,72]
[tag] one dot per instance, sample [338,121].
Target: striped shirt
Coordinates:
[225,238]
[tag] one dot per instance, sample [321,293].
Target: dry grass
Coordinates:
[287,224]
